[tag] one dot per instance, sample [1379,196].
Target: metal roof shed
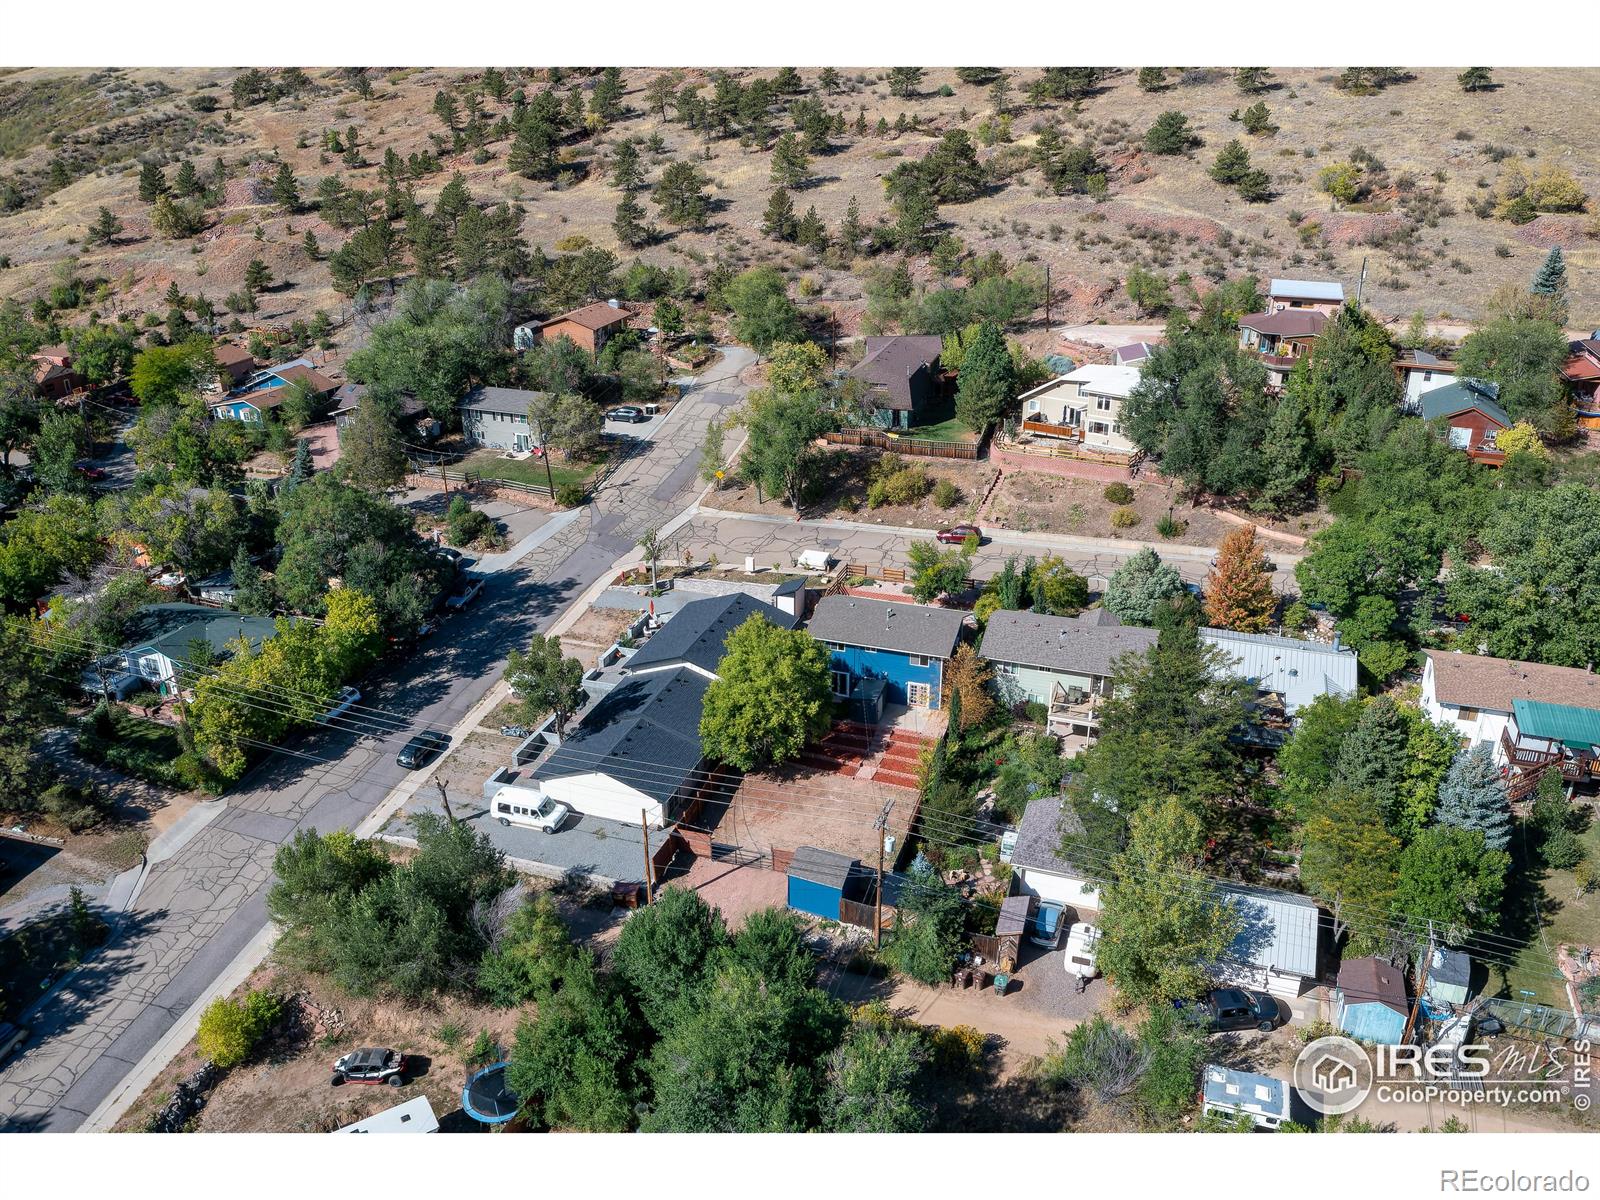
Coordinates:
[818,880]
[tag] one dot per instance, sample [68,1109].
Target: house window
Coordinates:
[917,695]
[919,660]
[1033,406]
[1103,403]
[834,645]
[1098,427]
[1427,377]
[1460,437]
[841,683]
[1005,668]
[1465,713]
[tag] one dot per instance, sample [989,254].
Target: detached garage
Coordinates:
[818,881]
[1037,864]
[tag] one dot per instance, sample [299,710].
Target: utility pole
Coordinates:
[444,799]
[1422,984]
[1361,284]
[444,476]
[1047,318]
[882,827]
[644,824]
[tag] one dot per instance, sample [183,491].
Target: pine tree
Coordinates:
[446,109]
[625,171]
[312,249]
[152,183]
[533,150]
[1170,134]
[1473,797]
[105,229]
[987,381]
[779,222]
[1233,161]
[302,467]
[1252,80]
[789,162]
[851,230]
[188,181]
[629,223]
[680,193]
[257,275]
[1551,278]
[1152,79]
[811,231]
[1257,118]
[1238,592]
[1372,757]
[285,191]
[1476,79]
[252,593]
[861,123]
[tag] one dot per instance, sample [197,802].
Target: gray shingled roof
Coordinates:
[511,401]
[698,632]
[645,733]
[887,625]
[1044,822]
[1086,644]
[892,361]
[821,867]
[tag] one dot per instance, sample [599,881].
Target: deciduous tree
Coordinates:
[772,695]
[1238,592]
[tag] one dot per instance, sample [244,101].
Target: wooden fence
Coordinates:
[437,479]
[915,446]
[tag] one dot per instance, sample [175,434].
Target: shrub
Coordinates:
[1562,849]
[957,1049]
[1124,518]
[230,1030]
[946,494]
[900,485]
[570,495]
[1169,526]
[1118,493]
[78,806]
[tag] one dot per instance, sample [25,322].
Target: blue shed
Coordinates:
[1371,1001]
[818,881]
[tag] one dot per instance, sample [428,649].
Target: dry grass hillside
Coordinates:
[1441,150]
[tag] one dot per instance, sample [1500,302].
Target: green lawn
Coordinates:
[1571,920]
[952,430]
[492,465]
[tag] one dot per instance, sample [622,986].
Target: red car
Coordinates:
[957,534]
[90,471]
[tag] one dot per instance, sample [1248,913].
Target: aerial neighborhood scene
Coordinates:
[804,599]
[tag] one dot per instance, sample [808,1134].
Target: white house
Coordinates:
[1321,295]
[1084,406]
[1421,373]
[1038,867]
[1476,696]
[162,640]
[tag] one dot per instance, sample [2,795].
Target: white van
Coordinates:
[521,806]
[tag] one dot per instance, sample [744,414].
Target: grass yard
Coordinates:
[1569,918]
[952,430]
[491,464]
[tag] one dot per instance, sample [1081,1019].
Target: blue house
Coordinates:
[905,645]
[1370,1001]
[264,391]
[818,881]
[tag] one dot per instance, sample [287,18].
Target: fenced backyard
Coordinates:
[918,447]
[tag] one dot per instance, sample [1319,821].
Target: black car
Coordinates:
[371,1065]
[422,749]
[1224,1009]
[627,412]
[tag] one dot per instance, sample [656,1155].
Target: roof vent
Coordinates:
[613,304]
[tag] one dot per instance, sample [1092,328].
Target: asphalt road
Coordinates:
[199,908]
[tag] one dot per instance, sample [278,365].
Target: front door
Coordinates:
[917,695]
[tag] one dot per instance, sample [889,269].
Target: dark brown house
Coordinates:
[902,376]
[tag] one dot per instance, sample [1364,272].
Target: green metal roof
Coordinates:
[1576,727]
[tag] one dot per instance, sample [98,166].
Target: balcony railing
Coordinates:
[1529,752]
[1051,429]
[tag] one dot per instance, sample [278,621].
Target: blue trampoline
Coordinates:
[487,1099]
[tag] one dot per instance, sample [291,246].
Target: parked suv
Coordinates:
[1225,1009]
[371,1065]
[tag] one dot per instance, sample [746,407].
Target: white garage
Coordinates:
[1038,867]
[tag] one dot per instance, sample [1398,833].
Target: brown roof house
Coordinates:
[1281,337]
[235,364]
[53,374]
[265,389]
[590,327]
[1477,696]
[902,377]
